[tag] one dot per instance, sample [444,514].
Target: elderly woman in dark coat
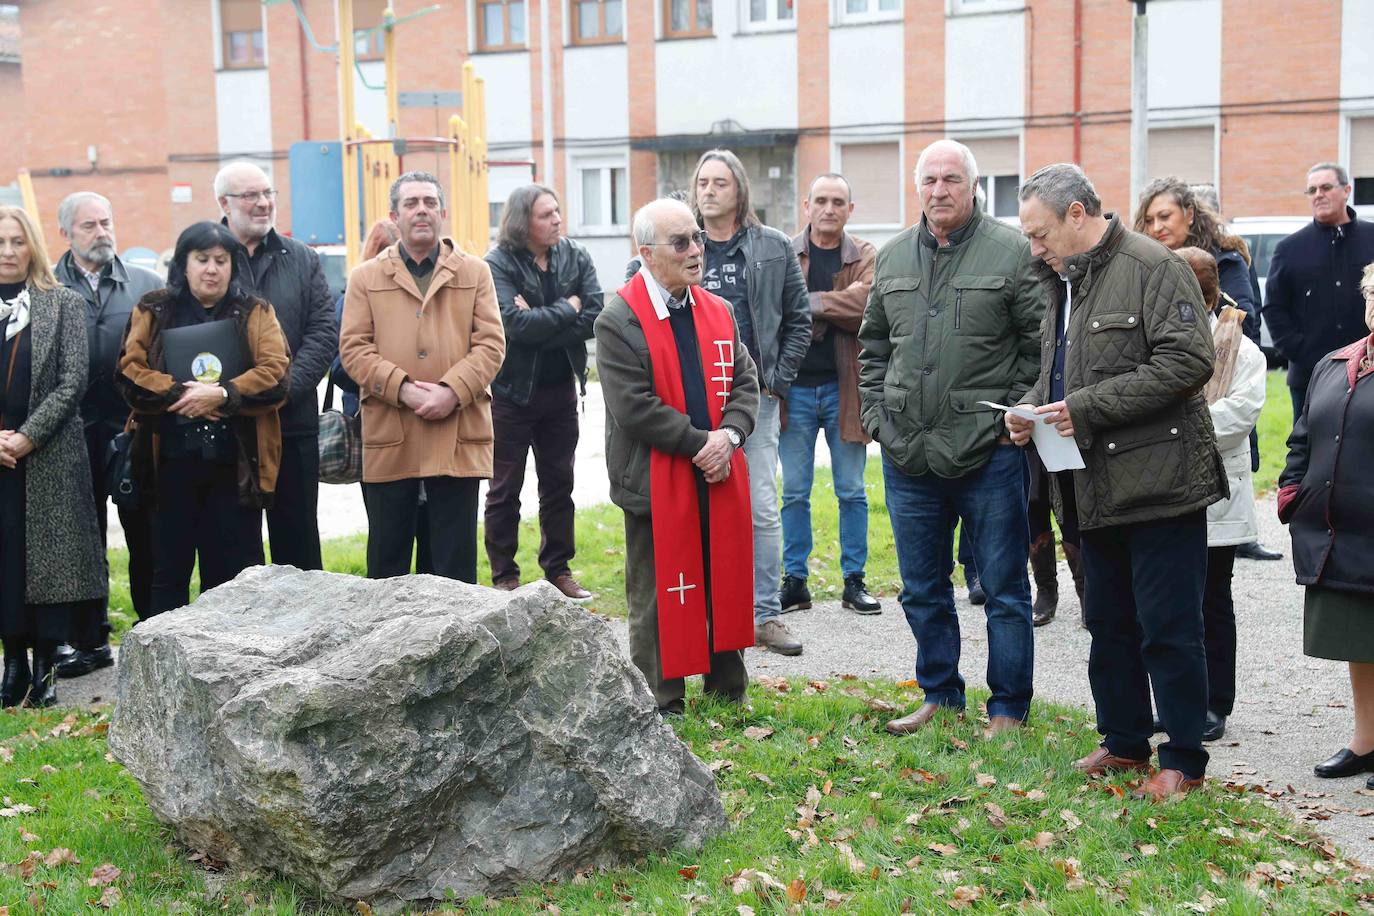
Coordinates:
[51,558]
[1326,497]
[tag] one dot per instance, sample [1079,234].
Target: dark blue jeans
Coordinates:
[1143,607]
[991,501]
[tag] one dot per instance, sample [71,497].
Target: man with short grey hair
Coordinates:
[1312,301]
[953,319]
[1126,350]
[111,288]
[681,396]
[287,274]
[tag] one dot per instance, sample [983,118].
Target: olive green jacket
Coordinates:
[945,328]
[1139,353]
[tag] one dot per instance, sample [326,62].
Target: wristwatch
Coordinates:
[736,439]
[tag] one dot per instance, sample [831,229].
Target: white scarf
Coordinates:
[15,314]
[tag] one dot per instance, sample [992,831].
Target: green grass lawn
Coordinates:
[826,811]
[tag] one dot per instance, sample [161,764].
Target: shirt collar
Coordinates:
[659,295]
[424,265]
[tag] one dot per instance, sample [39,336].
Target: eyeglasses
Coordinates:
[1314,190]
[253,197]
[681,243]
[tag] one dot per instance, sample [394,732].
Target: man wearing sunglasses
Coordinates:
[755,269]
[681,397]
[1312,301]
[287,274]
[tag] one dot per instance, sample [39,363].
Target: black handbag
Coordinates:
[119,471]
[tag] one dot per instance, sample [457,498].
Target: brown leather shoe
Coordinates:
[508,584]
[919,719]
[1166,783]
[1101,760]
[570,587]
[998,725]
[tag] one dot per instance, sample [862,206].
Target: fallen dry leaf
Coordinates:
[985,780]
[944,849]
[743,910]
[363,908]
[1148,849]
[688,872]
[758,732]
[1070,819]
[964,896]
[103,874]
[61,856]
[16,810]
[763,778]
[7,754]
[110,897]
[996,816]
[796,890]
[1043,840]
[25,836]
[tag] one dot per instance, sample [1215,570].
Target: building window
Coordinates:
[240,27]
[999,172]
[603,196]
[1184,152]
[597,21]
[869,10]
[874,173]
[686,18]
[368,40]
[1362,162]
[501,25]
[984,6]
[762,15]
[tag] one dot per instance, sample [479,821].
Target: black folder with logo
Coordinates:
[211,352]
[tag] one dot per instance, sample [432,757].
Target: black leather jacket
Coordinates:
[545,330]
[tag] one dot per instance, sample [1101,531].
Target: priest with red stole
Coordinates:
[681,396]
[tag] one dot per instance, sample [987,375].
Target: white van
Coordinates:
[1262,233]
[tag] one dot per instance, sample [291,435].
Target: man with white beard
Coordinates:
[111,288]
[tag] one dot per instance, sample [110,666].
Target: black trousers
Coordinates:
[199,516]
[138,536]
[393,517]
[1219,630]
[1143,607]
[293,525]
[548,425]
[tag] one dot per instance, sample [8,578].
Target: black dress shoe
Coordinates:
[856,597]
[794,595]
[1256,551]
[1215,729]
[1344,762]
[82,662]
[43,692]
[15,684]
[62,653]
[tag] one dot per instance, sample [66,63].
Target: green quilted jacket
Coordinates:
[945,328]
[1139,352]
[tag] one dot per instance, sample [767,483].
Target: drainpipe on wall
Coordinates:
[1077,81]
[546,88]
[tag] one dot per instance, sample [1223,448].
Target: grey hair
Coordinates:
[222,176]
[66,211]
[1059,185]
[1342,173]
[1207,193]
[644,229]
[966,154]
[415,175]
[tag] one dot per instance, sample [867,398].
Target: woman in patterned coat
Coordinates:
[51,557]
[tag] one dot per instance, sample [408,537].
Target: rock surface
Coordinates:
[391,740]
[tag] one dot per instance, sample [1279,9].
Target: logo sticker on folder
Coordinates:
[206,367]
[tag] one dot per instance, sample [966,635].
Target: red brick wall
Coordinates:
[643,104]
[813,93]
[924,91]
[1265,157]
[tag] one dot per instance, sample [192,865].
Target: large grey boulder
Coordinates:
[391,740]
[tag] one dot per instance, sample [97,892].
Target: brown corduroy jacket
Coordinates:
[255,397]
[840,312]
[451,335]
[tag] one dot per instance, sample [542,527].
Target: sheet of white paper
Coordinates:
[1057,453]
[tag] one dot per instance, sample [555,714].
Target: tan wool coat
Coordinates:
[450,335]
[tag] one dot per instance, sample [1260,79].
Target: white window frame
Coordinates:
[842,15]
[1211,122]
[974,7]
[859,226]
[772,23]
[1365,211]
[603,164]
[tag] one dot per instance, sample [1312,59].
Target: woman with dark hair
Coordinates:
[549,296]
[206,450]
[1324,497]
[51,557]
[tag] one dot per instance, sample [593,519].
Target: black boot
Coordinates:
[856,596]
[976,594]
[794,595]
[1074,557]
[44,689]
[1046,574]
[15,684]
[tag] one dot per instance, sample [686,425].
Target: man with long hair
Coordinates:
[549,296]
[754,269]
